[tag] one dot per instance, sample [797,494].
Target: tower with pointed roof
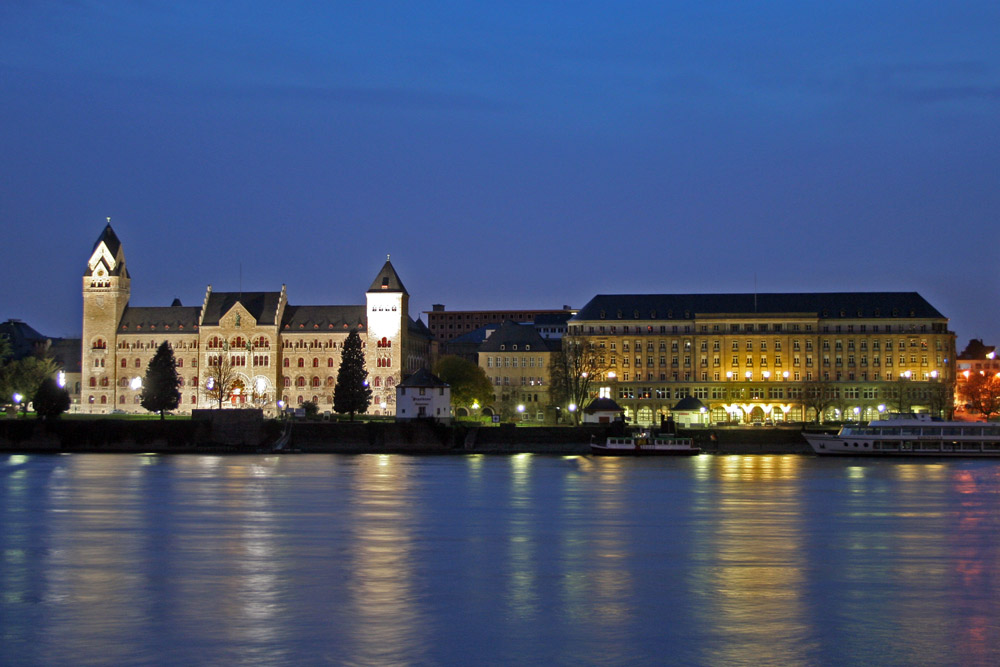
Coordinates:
[388,306]
[106,289]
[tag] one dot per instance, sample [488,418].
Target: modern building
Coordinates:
[279,351]
[423,395]
[759,357]
[446,325]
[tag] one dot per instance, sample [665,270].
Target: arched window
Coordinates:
[389,382]
[286,363]
[104,400]
[99,344]
[93,382]
[315,381]
[104,382]
[180,362]
[300,382]
[194,399]
[298,400]
[138,363]
[377,382]
[330,381]
[302,363]
[124,363]
[121,399]
[315,362]
[287,382]
[329,362]
[315,399]
[91,400]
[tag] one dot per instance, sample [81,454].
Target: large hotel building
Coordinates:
[770,357]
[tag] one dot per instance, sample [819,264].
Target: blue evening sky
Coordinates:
[507,154]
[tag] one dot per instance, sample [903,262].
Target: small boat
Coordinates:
[910,435]
[645,444]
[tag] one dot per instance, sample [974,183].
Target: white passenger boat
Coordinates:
[645,444]
[910,435]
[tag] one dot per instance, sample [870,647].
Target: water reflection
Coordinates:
[754,570]
[385,623]
[386,559]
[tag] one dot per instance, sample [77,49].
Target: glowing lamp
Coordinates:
[572,407]
[520,408]
[18,398]
[61,378]
[136,383]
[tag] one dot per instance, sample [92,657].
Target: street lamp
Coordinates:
[784,375]
[767,375]
[748,375]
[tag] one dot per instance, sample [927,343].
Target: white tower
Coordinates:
[388,318]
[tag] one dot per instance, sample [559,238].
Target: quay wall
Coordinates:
[251,434]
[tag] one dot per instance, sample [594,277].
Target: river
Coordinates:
[447,560]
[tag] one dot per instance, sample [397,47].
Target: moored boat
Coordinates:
[910,435]
[645,444]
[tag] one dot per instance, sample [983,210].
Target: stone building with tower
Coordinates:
[280,352]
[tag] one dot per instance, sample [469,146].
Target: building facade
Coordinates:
[770,357]
[446,325]
[518,362]
[282,354]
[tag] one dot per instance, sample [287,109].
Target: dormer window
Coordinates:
[514,346]
[527,347]
[502,347]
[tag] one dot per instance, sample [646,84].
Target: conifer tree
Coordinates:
[352,393]
[159,387]
[50,400]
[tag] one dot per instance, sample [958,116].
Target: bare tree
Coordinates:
[574,369]
[221,381]
[817,396]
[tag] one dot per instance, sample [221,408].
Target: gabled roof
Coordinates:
[262,306]
[423,378]
[665,307]
[511,334]
[114,246]
[603,405]
[152,319]
[24,339]
[475,336]
[110,239]
[387,280]
[418,328]
[689,404]
[324,318]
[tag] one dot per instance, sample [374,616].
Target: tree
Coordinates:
[222,378]
[468,381]
[817,396]
[311,409]
[159,387]
[25,376]
[50,400]
[574,368]
[352,393]
[900,395]
[981,392]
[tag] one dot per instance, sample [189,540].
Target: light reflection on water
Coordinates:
[382,559]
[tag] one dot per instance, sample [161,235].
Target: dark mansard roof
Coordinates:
[511,333]
[152,319]
[821,304]
[423,378]
[324,318]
